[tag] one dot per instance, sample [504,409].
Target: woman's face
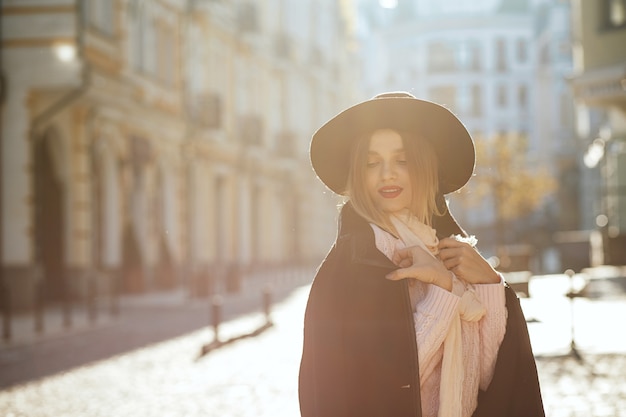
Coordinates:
[386,174]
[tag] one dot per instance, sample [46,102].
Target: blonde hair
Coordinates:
[423,169]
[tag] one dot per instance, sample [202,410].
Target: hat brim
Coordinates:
[332,143]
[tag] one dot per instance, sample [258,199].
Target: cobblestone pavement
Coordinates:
[252,377]
[591,388]
[585,378]
[258,376]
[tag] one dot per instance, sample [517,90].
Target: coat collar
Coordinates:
[359,234]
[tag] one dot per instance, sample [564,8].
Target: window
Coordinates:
[501,97]
[100,15]
[469,100]
[501,55]
[544,55]
[441,57]
[445,95]
[613,14]
[137,24]
[143,47]
[476,108]
[522,51]
[247,17]
[522,97]
[149,39]
[463,100]
[166,53]
[474,58]
[468,56]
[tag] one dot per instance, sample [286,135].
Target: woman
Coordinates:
[405,317]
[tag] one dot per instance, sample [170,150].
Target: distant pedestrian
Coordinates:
[405,317]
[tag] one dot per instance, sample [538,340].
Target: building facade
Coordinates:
[501,66]
[599,83]
[152,144]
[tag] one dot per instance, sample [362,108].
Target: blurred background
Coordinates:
[155,181]
[148,145]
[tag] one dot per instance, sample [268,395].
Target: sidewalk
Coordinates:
[554,318]
[55,322]
[579,345]
[258,376]
[143,320]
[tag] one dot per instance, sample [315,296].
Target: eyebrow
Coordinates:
[400,150]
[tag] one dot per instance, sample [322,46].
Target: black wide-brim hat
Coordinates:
[332,143]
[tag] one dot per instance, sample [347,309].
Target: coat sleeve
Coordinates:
[322,379]
[514,390]
[359,356]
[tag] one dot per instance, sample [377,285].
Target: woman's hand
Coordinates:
[416,263]
[466,263]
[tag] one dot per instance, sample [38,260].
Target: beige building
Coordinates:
[155,144]
[599,85]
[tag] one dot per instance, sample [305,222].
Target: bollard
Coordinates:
[571,294]
[114,307]
[91,299]
[267,303]
[66,306]
[5,299]
[39,307]
[216,316]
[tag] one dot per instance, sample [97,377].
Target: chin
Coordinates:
[391,210]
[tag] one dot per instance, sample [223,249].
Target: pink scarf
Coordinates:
[412,232]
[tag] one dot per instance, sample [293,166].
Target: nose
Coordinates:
[388,171]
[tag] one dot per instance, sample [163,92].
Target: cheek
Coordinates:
[405,176]
[370,183]
[406,182]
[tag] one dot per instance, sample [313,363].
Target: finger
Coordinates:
[405,263]
[401,273]
[449,253]
[448,242]
[451,243]
[401,254]
[452,264]
[404,251]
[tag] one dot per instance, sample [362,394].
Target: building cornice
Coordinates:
[23,10]
[40,42]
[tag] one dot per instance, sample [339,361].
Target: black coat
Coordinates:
[360,355]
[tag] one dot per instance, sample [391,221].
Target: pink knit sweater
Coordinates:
[433,311]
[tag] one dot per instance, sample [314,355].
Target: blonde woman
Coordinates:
[405,317]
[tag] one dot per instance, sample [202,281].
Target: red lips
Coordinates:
[390,191]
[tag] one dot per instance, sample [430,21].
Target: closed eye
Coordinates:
[373,161]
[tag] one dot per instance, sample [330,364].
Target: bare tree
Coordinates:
[507,180]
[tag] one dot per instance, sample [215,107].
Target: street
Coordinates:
[258,376]
[586,378]
[253,377]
